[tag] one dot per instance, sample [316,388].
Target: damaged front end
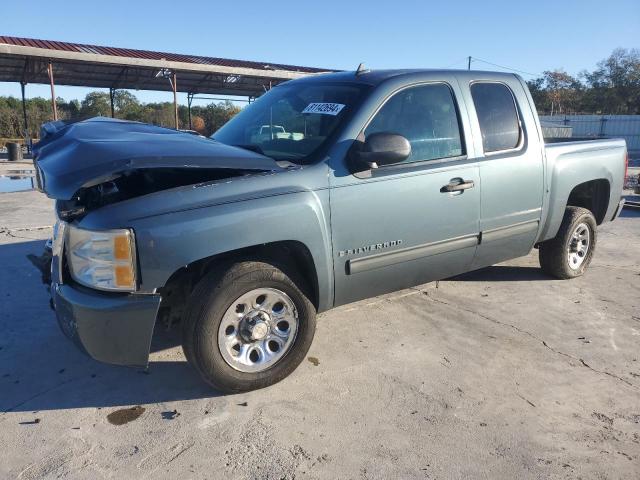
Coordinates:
[136,183]
[96,162]
[94,274]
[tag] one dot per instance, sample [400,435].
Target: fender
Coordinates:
[177,227]
[570,167]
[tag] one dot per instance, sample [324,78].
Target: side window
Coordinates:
[497,116]
[425,115]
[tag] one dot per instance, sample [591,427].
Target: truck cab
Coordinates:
[474,143]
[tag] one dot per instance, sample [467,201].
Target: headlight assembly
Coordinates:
[102,259]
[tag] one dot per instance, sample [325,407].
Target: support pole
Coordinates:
[112,92]
[27,137]
[602,124]
[174,86]
[189,100]
[469,63]
[53,92]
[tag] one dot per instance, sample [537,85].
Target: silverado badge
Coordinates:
[370,248]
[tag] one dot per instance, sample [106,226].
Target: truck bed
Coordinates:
[551,140]
[571,162]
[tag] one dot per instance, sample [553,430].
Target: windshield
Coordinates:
[291,122]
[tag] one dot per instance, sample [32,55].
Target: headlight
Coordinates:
[103,259]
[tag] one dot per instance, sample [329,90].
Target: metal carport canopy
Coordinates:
[27,60]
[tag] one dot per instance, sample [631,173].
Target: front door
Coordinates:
[403,225]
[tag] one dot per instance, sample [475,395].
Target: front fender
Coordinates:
[170,241]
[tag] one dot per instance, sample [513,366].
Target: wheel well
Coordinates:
[592,195]
[292,256]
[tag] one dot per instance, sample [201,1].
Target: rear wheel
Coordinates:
[249,327]
[570,252]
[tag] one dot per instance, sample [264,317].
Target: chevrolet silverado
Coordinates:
[384,180]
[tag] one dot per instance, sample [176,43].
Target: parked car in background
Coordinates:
[391,179]
[272,132]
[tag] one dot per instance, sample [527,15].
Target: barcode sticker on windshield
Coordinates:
[324,108]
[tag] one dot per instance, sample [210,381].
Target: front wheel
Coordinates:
[249,327]
[570,252]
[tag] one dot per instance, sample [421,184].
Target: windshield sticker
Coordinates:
[324,108]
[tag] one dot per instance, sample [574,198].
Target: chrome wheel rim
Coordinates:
[258,329]
[578,247]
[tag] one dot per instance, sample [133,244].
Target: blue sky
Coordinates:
[528,36]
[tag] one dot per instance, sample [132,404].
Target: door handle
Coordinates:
[457,185]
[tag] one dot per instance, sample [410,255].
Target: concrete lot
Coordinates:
[502,373]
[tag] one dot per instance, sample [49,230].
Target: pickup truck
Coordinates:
[393,179]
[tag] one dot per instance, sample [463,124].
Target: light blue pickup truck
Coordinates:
[386,179]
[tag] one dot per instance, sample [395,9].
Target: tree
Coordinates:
[564,91]
[9,118]
[556,92]
[612,88]
[539,94]
[616,83]
[96,104]
[198,124]
[74,109]
[126,105]
[215,115]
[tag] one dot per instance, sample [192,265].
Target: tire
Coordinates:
[566,256]
[263,294]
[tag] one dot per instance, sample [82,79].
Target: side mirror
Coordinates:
[381,149]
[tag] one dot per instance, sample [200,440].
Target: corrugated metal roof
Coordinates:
[150,55]
[26,60]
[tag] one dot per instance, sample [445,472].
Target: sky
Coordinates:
[527,36]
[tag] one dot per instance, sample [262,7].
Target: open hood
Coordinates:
[79,155]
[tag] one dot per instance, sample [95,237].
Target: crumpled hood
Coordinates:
[72,156]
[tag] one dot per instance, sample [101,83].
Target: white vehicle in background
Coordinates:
[274,132]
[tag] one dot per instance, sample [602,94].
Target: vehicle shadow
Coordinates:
[41,370]
[503,273]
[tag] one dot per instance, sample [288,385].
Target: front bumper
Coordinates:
[110,328]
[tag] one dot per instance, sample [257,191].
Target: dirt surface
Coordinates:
[501,373]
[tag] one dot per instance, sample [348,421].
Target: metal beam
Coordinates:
[112,92]
[53,92]
[105,76]
[27,136]
[174,86]
[24,70]
[122,73]
[248,100]
[203,80]
[189,100]
[157,64]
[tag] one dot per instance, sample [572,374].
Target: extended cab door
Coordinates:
[511,168]
[398,226]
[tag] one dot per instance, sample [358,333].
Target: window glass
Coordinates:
[425,115]
[497,116]
[291,121]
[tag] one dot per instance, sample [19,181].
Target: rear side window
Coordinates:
[426,115]
[497,116]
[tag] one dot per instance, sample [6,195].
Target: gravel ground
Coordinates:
[501,373]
